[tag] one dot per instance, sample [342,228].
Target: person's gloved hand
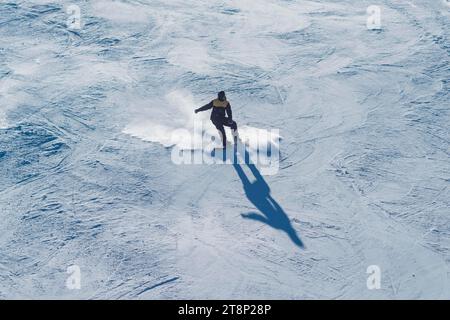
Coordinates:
[196,110]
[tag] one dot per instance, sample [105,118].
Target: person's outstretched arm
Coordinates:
[205,107]
[228,111]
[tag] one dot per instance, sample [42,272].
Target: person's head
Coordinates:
[222,96]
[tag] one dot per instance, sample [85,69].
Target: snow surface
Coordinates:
[85,160]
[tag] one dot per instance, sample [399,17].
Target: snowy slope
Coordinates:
[85,161]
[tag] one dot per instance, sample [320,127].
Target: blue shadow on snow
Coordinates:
[258,193]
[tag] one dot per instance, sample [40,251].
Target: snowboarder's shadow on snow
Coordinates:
[258,192]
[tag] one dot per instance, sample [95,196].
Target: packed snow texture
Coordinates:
[85,161]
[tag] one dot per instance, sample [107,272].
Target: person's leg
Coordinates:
[219,126]
[230,123]
[233,125]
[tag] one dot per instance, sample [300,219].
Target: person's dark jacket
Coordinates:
[220,110]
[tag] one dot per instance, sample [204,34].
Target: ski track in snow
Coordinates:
[364,172]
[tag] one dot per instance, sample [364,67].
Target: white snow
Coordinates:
[87,125]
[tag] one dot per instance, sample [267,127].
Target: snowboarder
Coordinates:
[221,116]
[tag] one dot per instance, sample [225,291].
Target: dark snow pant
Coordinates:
[219,123]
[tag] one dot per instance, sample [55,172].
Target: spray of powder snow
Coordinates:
[171,122]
